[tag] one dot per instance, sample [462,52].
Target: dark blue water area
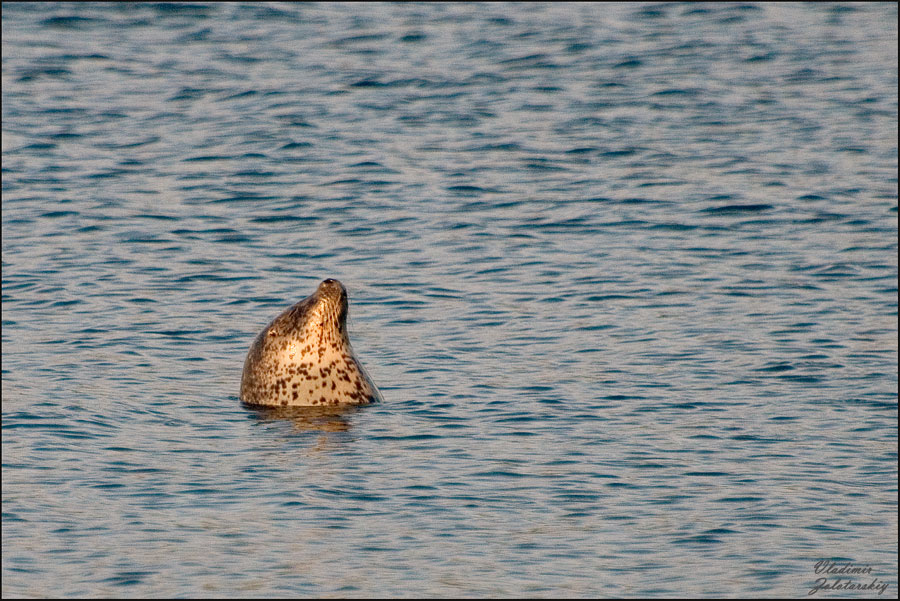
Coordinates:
[625,275]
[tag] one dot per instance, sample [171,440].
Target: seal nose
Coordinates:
[332,284]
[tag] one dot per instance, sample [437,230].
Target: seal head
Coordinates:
[304,357]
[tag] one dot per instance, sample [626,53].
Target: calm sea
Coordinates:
[626,275]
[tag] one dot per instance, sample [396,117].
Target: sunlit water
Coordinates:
[626,276]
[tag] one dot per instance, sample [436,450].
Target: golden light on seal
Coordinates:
[304,357]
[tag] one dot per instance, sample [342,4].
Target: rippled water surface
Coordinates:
[626,275]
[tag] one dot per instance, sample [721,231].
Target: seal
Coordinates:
[304,357]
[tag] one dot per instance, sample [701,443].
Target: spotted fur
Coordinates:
[304,357]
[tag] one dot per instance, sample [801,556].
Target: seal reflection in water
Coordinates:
[306,418]
[304,358]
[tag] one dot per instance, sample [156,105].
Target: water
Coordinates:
[626,276]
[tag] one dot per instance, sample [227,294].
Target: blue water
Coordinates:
[626,275]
